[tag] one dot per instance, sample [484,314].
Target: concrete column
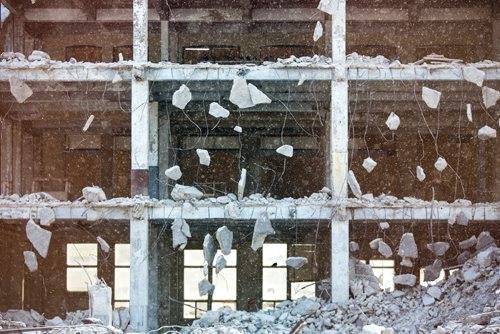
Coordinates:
[6,157]
[153,150]
[16,157]
[339,137]
[164,41]
[166,157]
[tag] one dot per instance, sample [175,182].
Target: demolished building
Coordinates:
[237,153]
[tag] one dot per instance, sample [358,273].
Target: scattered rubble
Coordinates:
[257,96]
[393,121]
[431,97]
[486,133]
[384,225]
[225,239]
[296,262]
[240,94]
[174,173]
[462,219]
[432,272]
[242,183]
[353,246]
[440,164]
[93,194]
[318,31]
[405,279]
[30,261]
[103,244]
[182,97]
[327,6]
[203,156]
[490,96]
[218,111]
[369,164]
[38,55]
[180,233]
[180,193]
[220,264]
[19,89]
[39,237]
[286,150]
[205,287]
[261,230]
[484,240]
[238,129]
[466,244]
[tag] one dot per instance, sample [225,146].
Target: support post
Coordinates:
[339,137]
[164,45]
[6,157]
[16,157]
[153,150]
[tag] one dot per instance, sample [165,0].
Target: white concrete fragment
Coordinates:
[353,246]
[486,133]
[405,279]
[372,329]
[318,31]
[240,93]
[490,96]
[431,97]
[205,287]
[420,174]
[238,129]
[435,292]
[225,239]
[103,244]
[242,183]
[427,300]
[180,193]
[174,173]
[47,216]
[117,78]
[471,274]
[302,79]
[19,89]
[374,243]
[100,302]
[296,262]
[218,111]
[432,272]
[261,230]
[220,264]
[286,150]
[408,246]
[257,96]
[384,225]
[462,219]
[327,6]
[203,156]
[466,244]
[384,249]
[469,112]
[30,261]
[393,121]
[88,123]
[353,184]
[181,97]
[440,164]
[474,75]
[38,55]
[305,307]
[484,240]
[486,257]
[209,249]
[438,248]
[180,233]
[39,238]
[369,164]
[55,321]
[93,194]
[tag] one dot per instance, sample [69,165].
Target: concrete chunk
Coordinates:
[39,238]
[261,230]
[181,192]
[431,97]
[327,6]
[353,246]
[463,257]
[238,129]
[471,274]
[88,123]
[47,216]
[203,156]
[242,183]
[490,97]
[486,133]
[474,75]
[393,122]
[384,249]
[103,244]
[440,164]
[209,249]
[257,96]
[486,257]
[100,302]
[374,243]
[296,262]
[205,287]
[38,55]
[93,194]
[30,261]
[354,185]
[369,164]
[181,97]
[432,272]
[218,111]
[174,173]
[225,239]
[407,246]
[435,292]
[19,89]
[318,31]
[427,300]
[420,174]
[286,150]
[384,225]
[220,264]
[240,93]
[438,248]
[180,233]
[373,329]
[466,244]
[305,307]
[469,112]
[462,219]
[484,240]
[405,279]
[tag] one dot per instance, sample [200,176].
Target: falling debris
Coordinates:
[286,150]
[180,193]
[375,329]
[420,174]
[374,243]
[490,97]
[103,244]
[432,272]
[405,279]
[327,6]
[486,133]
[484,240]
[209,249]
[318,31]
[181,97]
[19,89]
[240,93]
[393,122]
[100,302]
[30,261]
[220,264]
[440,164]
[238,129]
[469,243]
[39,237]
[369,164]
[431,97]
[384,225]
[218,111]
[117,78]
[438,248]
[474,75]
[203,156]
[302,79]
[242,184]
[225,239]
[353,184]
[88,123]
[257,96]
[180,233]
[174,173]
[296,262]
[47,216]
[205,287]
[261,230]
[353,246]
[407,249]
[38,55]
[93,194]
[462,219]
[384,249]
[469,112]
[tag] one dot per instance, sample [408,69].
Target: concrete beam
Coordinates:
[455,14]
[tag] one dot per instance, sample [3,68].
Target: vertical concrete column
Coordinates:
[16,157]
[153,150]
[6,157]
[164,40]
[339,137]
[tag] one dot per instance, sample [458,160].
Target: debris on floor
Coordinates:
[93,194]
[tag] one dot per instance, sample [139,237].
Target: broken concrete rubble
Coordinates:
[353,184]
[39,237]
[296,262]
[262,229]
[182,97]
[174,173]
[242,183]
[438,248]
[93,194]
[257,96]
[47,216]
[353,246]
[369,164]
[318,31]
[103,244]
[185,193]
[327,6]
[238,129]
[286,150]
[462,219]
[240,93]
[405,279]
[420,174]
[469,112]
[225,239]
[384,225]
[490,97]
[218,111]
[19,89]
[209,249]
[220,264]
[88,123]
[407,249]
[474,75]
[486,133]
[440,164]
[205,287]
[30,261]
[100,302]
[466,244]
[384,249]
[180,233]
[393,121]
[485,240]
[203,156]
[431,97]
[38,55]
[432,272]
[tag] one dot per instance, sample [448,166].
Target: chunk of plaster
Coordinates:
[474,75]
[353,184]
[490,97]
[286,150]
[486,133]
[393,122]
[174,173]
[420,174]
[240,93]
[431,97]
[218,111]
[369,164]
[318,31]
[440,164]
[257,96]
[238,129]
[204,157]
[88,123]
[181,97]
[469,112]
[19,89]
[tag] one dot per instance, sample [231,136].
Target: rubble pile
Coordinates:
[463,303]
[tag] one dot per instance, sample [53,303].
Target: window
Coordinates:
[81,262]
[122,275]
[225,284]
[384,271]
[302,282]
[274,274]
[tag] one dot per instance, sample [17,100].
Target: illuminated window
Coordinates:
[225,284]
[81,270]
[122,275]
[384,271]
[274,274]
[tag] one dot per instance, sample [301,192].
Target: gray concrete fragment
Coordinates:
[242,183]
[369,164]
[238,129]
[471,274]
[393,121]
[484,240]
[286,150]
[209,249]
[240,94]
[420,174]
[353,246]
[180,233]
[209,319]
[47,216]
[438,248]
[261,230]
[38,55]
[405,279]
[19,89]
[30,261]
[375,329]
[203,156]
[432,272]
[374,243]
[440,164]
[384,225]
[466,244]
[100,302]
[233,210]
[296,262]
[93,194]
[486,133]
[103,244]
[124,318]
[218,111]
[431,97]
[117,78]
[257,96]
[354,185]
[408,246]
[406,262]
[55,321]
[486,257]
[181,192]
[39,238]
[181,97]
[174,173]
[220,264]
[225,239]
[327,6]
[462,219]
[435,292]
[474,75]
[305,307]
[463,257]
[205,287]
[490,96]
[384,249]
[427,300]
[318,31]
[469,112]
[88,123]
